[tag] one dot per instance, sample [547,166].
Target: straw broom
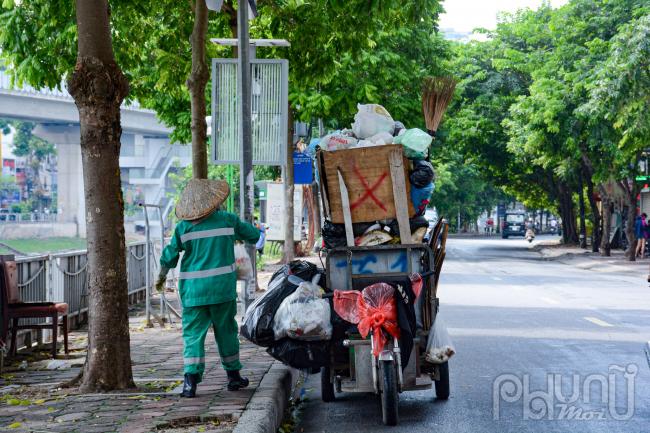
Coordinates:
[436,96]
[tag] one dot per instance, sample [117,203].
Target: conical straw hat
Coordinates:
[200,198]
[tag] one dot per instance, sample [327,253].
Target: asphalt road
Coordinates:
[511,313]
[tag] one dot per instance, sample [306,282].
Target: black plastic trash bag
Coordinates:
[422,174]
[258,320]
[304,355]
[334,234]
[414,223]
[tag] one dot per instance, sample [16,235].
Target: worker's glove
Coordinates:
[162,277]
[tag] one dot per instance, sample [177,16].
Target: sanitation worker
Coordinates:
[207,280]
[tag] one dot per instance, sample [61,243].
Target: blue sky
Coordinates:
[464,15]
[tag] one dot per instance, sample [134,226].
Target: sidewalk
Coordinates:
[585,259]
[32,400]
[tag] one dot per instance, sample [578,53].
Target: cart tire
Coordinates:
[442,385]
[326,386]
[389,393]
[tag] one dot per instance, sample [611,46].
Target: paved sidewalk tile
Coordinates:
[39,404]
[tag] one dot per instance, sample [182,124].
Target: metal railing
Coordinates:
[23,218]
[63,277]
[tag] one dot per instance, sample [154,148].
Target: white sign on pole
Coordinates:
[275,210]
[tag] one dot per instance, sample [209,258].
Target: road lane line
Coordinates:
[598,322]
[497,278]
[549,300]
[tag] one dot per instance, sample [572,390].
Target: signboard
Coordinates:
[501,210]
[275,210]
[303,173]
[269,111]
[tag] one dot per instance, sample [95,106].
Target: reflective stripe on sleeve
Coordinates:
[228,231]
[207,273]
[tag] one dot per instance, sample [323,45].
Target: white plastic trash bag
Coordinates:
[337,140]
[303,315]
[381,138]
[371,119]
[243,263]
[439,345]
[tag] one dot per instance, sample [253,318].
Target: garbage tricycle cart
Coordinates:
[356,364]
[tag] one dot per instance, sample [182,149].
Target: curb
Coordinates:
[265,410]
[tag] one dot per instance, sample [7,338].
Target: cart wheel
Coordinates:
[442,385]
[389,393]
[326,385]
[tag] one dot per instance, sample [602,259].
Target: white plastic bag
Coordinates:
[371,119]
[381,138]
[439,345]
[243,263]
[303,315]
[337,140]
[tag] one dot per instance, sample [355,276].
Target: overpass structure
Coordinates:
[146,155]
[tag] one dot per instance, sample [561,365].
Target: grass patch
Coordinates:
[45,245]
[270,256]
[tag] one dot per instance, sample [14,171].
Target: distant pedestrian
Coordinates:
[641,233]
[489,226]
[259,246]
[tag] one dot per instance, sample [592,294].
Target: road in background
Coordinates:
[511,313]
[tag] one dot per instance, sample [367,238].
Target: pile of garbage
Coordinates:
[291,318]
[374,126]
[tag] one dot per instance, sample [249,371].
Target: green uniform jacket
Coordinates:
[208,266]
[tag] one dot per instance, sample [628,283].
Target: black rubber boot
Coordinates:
[235,381]
[189,385]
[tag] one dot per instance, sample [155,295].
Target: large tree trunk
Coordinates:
[289,248]
[630,196]
[605,245]
[197,83]
[583,225]
[595,215]
[569,229]
[98,88]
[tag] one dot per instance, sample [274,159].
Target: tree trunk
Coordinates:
[197,83]
[98,88]
[289,248]
[317,212]
[630,196]
[595,216]
[583,226]
[605,246]
[569,231]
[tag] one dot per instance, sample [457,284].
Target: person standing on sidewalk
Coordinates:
[640,233]
[207,280]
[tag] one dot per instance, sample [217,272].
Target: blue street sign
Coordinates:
[303,173]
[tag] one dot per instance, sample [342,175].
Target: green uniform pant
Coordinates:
[196,322]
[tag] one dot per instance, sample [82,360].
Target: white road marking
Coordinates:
[497,278]
[598,322]
[549,300]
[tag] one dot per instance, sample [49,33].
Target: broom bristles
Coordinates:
[436,96]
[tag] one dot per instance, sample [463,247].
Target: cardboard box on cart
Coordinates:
[367,175]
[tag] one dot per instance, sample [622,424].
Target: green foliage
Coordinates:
[552,93]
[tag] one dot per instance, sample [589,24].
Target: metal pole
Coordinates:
[147,265]
[246,189]
[163,302]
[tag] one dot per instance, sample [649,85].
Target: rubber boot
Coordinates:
[235,381]
[189,385]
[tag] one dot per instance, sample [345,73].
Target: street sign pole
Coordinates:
[246,188]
